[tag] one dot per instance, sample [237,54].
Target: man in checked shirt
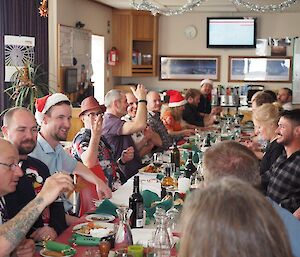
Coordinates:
[284,175]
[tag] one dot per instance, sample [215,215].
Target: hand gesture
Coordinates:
[140,92]
[188,132]
[44,233]
[96,126]
[216,110]
[103,190]
[127,154]
[25,249]
[54,185]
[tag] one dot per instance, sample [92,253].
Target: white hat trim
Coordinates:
[52,100]
[176,104]
[206,81]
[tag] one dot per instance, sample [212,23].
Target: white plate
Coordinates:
[106,227]
[100,217]
[150,174]
[143,170]
[42,252]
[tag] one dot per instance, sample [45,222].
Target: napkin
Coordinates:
[107,207]
[59,247]
[84,240]
[150,197]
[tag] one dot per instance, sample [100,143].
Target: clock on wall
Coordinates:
[190,32]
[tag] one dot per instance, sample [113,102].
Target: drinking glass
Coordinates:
[157,159]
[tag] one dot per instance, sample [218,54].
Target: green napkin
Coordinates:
[107,207]
[150,197]
[160,176]
[59,247]
[84,240]
[187,146]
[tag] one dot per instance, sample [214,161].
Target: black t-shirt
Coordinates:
[26,191]
[205,105]
[273,151]
[191,115]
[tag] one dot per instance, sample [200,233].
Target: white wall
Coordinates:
[173,42]
[171,37]
[95,16]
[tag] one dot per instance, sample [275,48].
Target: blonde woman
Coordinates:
[265,119]
[230,218]
[172,116]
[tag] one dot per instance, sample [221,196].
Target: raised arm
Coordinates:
[14,231]
[140,121]
[90,156]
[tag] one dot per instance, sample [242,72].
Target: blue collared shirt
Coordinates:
[56,159]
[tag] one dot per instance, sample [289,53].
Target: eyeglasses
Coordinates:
[92,114]
[10,166]
[132,103]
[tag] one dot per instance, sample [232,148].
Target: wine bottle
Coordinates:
[207,143]
[175,157]
[189,168]
[137,205]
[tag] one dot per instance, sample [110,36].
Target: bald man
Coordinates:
[13,231]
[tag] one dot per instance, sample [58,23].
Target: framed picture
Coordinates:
[260,69]
[189,67]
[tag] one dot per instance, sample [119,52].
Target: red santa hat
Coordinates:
[176,99]
[42,105]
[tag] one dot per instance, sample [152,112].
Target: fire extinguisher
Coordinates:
[113,56]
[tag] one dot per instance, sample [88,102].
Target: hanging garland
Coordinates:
[145,5]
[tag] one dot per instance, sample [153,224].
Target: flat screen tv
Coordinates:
[231,32]
[70,80]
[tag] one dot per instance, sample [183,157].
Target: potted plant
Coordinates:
[27,84]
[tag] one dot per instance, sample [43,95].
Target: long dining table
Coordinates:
[119,197]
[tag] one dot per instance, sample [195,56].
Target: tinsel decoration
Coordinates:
[265,8]
[146,5]
[43,10]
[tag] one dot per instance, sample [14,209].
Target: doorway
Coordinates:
[98,62]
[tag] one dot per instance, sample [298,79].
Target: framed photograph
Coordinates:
[260,69]
[189,67]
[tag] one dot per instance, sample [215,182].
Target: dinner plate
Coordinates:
[100,217]
[43,252]
[101,229]
[149,166]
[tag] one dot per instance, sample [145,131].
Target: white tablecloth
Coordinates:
[147,182]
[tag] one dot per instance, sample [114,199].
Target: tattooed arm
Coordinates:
[14,231]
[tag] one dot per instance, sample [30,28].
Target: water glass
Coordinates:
[157,159]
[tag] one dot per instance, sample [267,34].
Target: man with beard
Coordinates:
[118,132]
[13,231]
[284,175]
[20,128]
[154,107]
[284,97]
[53,114]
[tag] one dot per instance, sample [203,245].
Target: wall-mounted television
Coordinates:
[231,32]
[70,85]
